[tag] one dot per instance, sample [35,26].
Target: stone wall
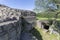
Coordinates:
[39,23]
[29,19]
[12,21]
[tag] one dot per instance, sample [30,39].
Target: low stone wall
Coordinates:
[39,23]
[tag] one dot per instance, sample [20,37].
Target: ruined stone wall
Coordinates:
[29,19]
[11,21]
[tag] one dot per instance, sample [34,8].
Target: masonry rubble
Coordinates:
[14,21]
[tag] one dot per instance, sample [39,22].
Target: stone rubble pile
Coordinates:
[15,21]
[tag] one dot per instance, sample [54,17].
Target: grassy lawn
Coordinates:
[41,35]
[46,18]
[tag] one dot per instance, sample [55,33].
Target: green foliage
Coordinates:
[47,15]
[43,5]
[51,7]
[56,1]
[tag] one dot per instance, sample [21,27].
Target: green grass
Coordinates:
[46,15]
[41,35]
[47,18]
[36,33]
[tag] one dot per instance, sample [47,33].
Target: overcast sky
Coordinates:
[20,4]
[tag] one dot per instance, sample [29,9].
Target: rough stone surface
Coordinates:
[14,21]
[39,23]
[27,36]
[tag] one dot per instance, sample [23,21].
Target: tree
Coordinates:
[43,5]
[49,6]
[57,12]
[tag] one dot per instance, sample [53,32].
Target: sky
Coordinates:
[19,4]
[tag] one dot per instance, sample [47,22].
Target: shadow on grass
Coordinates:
[36,34]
